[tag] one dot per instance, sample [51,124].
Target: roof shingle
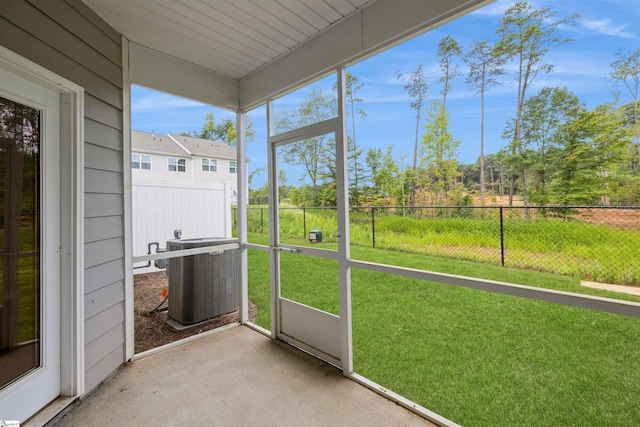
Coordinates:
[179,145]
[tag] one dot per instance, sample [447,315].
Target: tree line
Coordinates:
[556,151]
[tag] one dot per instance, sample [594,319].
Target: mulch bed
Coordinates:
[151,328]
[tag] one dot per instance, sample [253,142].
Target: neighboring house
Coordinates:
[182,158]
[74,62]
[180,183]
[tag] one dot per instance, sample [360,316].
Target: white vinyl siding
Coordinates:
[69,39]
[220,175]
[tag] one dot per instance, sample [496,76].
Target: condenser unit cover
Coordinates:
[202,286]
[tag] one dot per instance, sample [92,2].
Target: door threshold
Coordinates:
[49,412]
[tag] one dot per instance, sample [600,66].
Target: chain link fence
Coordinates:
[592,243]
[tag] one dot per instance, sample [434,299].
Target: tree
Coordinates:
[629,115]
[282,184]
[526,36]
[329,173]
[259,196]
[355,171]
[543,117]
[416,86]
[257,171]
[628,190]
[490,164]
[501,162]
[21,124]
[470,174]
[484,66]
[311,154]
[374,163]
[438,155]
[20,127]
[352,86]
[226,131]
[402,182]
[383,170]
[591,150]
[626,71]
[448,50]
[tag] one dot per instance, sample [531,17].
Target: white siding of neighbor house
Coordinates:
[221,175]
[160,171]
[69,39]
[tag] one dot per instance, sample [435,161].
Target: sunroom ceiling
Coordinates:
[231,37]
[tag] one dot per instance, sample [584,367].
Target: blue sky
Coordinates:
[583,65]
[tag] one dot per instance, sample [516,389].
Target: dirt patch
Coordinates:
[631,290]
[151,328]
[626,219]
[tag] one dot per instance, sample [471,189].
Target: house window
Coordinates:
[209,165]
[177,165]
[232,167]
[140,161]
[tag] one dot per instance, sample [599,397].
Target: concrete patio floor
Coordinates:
[237,377]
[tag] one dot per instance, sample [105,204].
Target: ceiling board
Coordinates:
[244,21]
[232,37]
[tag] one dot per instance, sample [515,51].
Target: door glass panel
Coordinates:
[19,240]
[307,208]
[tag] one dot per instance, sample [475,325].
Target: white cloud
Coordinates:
[146,100]
[605,26]
[162,104]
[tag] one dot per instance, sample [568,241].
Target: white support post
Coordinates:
[129,317]
[274,226]
[342,182]
[241,212]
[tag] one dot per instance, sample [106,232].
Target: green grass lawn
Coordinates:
[475,357]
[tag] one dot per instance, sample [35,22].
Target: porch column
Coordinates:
[241,211]
[342,193]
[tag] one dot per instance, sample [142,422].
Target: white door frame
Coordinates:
[325,335]
[71,214]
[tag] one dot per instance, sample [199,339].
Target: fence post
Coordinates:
[304,223]
[501,236]
[373,226]
[261,220]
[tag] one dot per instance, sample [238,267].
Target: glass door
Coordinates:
[29,247]
[19,213]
